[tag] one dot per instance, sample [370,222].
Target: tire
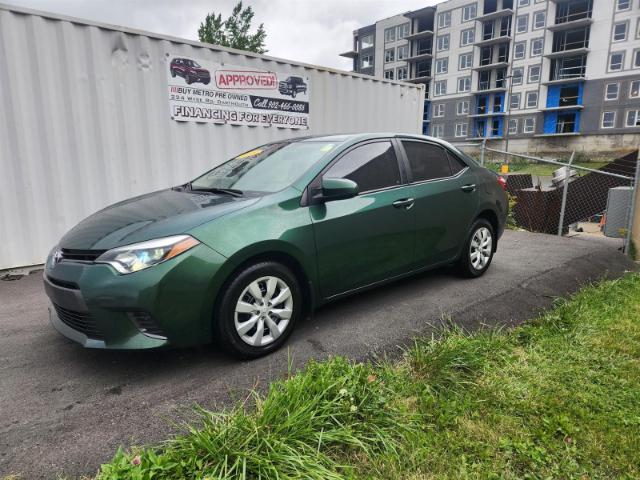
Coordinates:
[173,73]
[232,326]
[188,79]
[206,82]
[477,253]
[293,94]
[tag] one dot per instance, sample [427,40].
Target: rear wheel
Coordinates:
[188,79]
[258,310]
[478,250]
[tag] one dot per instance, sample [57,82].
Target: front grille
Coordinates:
[146,324]
[83,322]
[81,255]
[63,283]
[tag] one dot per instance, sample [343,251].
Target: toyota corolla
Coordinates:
[240,254]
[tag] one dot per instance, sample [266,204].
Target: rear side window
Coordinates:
[456,163]
[372,166]
[427,161]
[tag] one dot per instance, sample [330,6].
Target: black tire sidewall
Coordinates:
[224,327]
[464,265]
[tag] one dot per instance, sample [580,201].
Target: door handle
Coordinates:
[468,188]
[405,203]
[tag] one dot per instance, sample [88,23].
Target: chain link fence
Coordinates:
[567,197]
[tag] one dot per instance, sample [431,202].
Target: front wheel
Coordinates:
[478,250]
[258,310]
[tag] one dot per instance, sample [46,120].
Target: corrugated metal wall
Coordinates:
[84,121]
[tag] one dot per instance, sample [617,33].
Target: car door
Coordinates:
[370,237]
[446,200]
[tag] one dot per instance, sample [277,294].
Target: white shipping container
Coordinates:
[85,120]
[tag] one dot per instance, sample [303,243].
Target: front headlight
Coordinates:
[136,257]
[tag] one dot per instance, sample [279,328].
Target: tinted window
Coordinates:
[456,163]
[372,166]
[427,161]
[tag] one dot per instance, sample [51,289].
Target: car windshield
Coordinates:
[269,168]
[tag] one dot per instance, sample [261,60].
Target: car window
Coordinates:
[269,168]
[455,163]
[427,161]
[372,166]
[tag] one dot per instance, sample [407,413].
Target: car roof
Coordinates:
[358,137]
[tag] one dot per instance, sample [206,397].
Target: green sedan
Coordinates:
[240,254]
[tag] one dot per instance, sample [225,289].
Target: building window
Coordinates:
[367,41]
[462,129]
[534,73]
[403,30]
[532,99]
[438,110]
[513,126]
[608,119]
[464,84]
[469,12]
[442,65]
[623,5]
[611,91]
[524,3]
[465,61]
[633,118]
[366,61]
[620,31]
[388,74]
[444,19]
[537,44]
[467,36]
[519,50]
[389,55]
[390,34]
[401,73]
[539,19]
[438,130]
[442,42]
[462,107]
[616,61]
[529,125]
[440,87]
[515,101]
[522,22]
[518,74]
[634,89]
[403,52]
[636,59]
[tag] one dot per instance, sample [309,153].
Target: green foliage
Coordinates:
[234,31]
[556,398]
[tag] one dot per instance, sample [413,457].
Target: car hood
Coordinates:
[154,215]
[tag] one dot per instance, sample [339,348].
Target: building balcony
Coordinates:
[487,114]
[419,35]
[497,14]
[349,54]
[581,22]
[418,57]
[492,41]
[491,65]
[562,108]
[489,89]
[560,81]
[420,79]
[568,53]
[559,134]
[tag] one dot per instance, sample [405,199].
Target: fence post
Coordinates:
[633,209]
[482,147]
[564,194]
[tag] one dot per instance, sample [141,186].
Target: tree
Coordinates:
[234,31]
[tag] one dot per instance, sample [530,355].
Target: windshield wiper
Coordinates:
[227,191]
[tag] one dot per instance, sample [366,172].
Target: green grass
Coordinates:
[556,398]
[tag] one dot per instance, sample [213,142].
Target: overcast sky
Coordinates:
[311,31]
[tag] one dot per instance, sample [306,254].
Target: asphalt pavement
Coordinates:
[64,409]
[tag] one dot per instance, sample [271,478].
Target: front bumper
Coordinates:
[170,304]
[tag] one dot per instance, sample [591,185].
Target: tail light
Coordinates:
[503,182]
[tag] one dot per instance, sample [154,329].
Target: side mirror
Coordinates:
[338,189]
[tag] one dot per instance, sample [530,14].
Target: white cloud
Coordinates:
[310,31]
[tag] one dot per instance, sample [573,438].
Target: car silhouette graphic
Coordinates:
[190,70]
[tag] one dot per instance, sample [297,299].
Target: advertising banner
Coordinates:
[202,91]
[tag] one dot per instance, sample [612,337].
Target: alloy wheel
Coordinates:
[263,311]
[480,248]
